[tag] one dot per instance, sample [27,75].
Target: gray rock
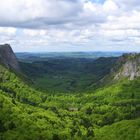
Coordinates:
[8,58]
[130,67]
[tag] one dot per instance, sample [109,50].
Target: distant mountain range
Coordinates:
[42,56]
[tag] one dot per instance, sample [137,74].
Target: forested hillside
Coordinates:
[111,112]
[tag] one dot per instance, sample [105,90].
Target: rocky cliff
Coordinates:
[8,58]
[129,67]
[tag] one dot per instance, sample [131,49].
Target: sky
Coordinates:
[70,25]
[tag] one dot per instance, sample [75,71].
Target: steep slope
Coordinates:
[129,67]
[8,58]
[126,67]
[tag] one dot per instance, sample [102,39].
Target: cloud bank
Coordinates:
[71,25]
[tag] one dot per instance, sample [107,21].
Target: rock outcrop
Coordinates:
[8,58]
[129,67]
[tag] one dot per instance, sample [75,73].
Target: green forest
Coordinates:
[109,112]
[66,74]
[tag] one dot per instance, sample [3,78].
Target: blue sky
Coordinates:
[70,25]
[98,1]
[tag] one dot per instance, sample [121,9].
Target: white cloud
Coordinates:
[6,34]
[67,23]
[110,7]
[128,4]
[26,12]
[7,31]
[33,33]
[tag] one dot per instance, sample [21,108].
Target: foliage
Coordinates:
[108,113]
[67,74]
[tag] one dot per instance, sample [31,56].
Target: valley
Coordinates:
[101,107]
[67,74]
[70,70]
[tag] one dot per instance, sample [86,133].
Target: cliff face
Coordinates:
[8,58]
[129,67]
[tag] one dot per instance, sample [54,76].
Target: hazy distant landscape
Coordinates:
[66,72]
[30,56]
